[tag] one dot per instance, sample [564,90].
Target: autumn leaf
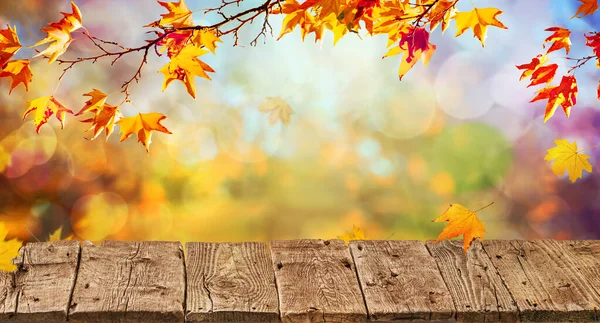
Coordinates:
[325,7]
[567,158]
[59,34]
[277,109]
[461,221]
[415,45]
[529,68]
[478,19]
[19,71]
[564,94]
[295,16]
[206,39]
[95,103]
[587,7]
[179,15]
[593,40]
[185,67]
[357,234]
[104,119]
[560,38]
[9,249]
[9,44]
[57,235]
[142,125]
[44,108]
[543,74]
[442,12]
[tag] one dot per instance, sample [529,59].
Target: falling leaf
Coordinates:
[560,38]
[529,68]
[414,44]
[564,94]
[9,249]
[179,15]
[104,119]
[587,7]
[59,34]
[478,19]
[567,158]
[19,71]
[185,67]
[278,110]
[95,103]
[357,234]
[9,44]
[44,108]
[461,221]
[142,125]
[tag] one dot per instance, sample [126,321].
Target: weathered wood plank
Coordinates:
[122,281]
[317,282]
[585,256]
[476,288]
[230,282]
[543,281]
[400,281]
[41,287]
[8,297]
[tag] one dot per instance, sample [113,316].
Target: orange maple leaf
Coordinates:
[179,15]
[529,68]
[593,40]
[59,34]
[9,44]
[185,67]
[461,221]
[19,71]
[44,108]
[543,74]
[587,7]
[414,44]
[95,103]
[478,19]
[564,94]
[560,38]
[442,12]
[104,119]
[142,125]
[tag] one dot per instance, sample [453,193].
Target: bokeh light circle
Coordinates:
[97,216]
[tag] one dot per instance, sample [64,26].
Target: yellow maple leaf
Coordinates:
[461,221]
[104,119]
[59,34]
[142,125]
[179,15]
[44,108]
[357,234]
[478,19]
[57,235]
[278,110]
[206,38]
[567,158]
[9,249]
[442,12]
[95,103]
[185,67]
[19,71]
[9,44]
[587,7]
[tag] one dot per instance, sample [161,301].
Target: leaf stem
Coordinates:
[484,207]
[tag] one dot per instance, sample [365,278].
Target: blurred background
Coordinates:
[362,147]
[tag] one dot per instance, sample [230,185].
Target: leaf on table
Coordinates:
[142,125]
[357,234]
[567,158]
[185,67]
[277,109]
[587,7]
[19,71]
[461,221]
[179,14]
[104,119]
[9,249]
[59,34]
[44,108]
[560,38]
[478,19]
[9,44]
[564,94]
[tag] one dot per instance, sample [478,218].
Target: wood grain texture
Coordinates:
[316,282]
[585,256]
[230,282]
[44,281]
[544,281]
[400,281]
[476,288]
[122,281]
[8,297]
